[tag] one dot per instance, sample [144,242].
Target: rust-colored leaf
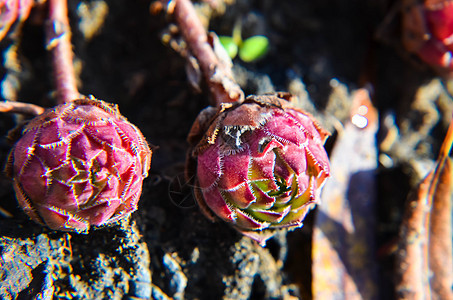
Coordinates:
[412,281]
[424,260]
[440,223]
[440,235]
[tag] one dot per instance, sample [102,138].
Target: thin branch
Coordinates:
[218,75]
[58,34]
[20,108]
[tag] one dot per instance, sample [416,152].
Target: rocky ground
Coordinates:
[321,51]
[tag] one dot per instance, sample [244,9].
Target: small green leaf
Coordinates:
[254,48]
[229,45]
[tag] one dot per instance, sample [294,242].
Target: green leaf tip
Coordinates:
[254,48]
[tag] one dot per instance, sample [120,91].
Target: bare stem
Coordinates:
[20,108]
[218,76]
[58,35]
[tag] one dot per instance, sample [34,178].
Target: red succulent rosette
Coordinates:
[428,31]
[79,164]
[258,164]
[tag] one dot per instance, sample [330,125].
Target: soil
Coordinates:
[321,51]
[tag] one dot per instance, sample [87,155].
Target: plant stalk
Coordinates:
[58,35]
[217,75]
[21,108]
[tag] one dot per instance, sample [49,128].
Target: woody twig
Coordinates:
[58,34]
[218,75]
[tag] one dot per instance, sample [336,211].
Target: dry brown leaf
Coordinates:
[440,235]
[412,281]
[343,244]
[424,258]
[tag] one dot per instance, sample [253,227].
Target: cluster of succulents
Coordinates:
[259,164]
[79,164]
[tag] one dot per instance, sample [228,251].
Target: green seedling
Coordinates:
[249,50]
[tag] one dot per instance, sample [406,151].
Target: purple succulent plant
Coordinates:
[79,164]
[259,164]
